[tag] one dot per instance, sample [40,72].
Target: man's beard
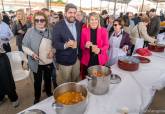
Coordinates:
[70,20]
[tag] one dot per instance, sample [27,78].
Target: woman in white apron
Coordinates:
[120,43]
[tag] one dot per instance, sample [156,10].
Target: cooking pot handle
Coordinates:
[88,77]
[108,67]
[56,106]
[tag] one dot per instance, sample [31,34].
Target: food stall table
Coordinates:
[135,91]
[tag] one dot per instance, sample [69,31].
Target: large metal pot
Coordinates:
[78,108]
[99,85]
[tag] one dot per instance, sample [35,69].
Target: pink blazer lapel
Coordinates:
[88,34]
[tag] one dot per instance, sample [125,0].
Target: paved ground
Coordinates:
[25,93]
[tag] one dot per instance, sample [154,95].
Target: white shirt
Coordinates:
[72,28]
[5,32]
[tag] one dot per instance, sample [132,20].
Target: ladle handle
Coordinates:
[56,106]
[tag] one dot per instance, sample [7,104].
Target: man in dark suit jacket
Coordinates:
[66,37]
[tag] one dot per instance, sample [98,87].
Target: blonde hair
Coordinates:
[23,15]
[96,15]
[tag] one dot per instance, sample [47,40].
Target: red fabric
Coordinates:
[29,18]
[102,43]
[143,52]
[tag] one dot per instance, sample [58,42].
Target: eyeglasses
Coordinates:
[56,17]
[115,25]
[40,20]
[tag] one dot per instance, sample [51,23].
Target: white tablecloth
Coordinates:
[135,91]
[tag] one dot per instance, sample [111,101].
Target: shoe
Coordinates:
[2,101]
[36,101]
[15,103]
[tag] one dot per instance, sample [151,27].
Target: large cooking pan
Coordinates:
[156,47]
[128,63]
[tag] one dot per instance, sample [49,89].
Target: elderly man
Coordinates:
[5,35]
[66,35]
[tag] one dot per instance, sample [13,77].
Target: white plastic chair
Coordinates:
[16,58]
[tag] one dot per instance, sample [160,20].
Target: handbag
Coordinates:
[139,41]
[45,47]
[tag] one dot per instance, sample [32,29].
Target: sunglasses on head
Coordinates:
[40,20]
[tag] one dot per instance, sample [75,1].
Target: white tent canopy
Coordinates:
[157,0]
[119,1]
[98,5]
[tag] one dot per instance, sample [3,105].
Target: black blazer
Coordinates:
[62,34]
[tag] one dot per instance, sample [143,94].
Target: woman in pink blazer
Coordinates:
[94,42]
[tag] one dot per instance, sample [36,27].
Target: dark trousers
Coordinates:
[7,47]
[132,49]
[53,75]
[45,72]
[20,47]
[7,85]
[145,44]
[19,42]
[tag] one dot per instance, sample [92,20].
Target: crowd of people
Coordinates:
[60,47]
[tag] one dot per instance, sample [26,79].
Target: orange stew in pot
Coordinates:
[70,98]
[97,73]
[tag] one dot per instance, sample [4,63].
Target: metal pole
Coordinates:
[108,7]
[142,6]
[114,11]
[91,5]
[157,5]
[80,5]
[100,5]
[121,5]
[125,5]
[47,3]
[30,6]
[50,4]
[2,5]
